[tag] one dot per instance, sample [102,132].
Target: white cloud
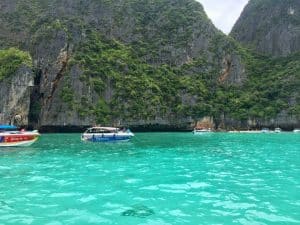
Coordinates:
[223,13]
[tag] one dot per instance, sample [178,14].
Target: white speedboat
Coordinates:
[250,131]
[296,130]
[10,136]
[265,130]
[106,134]
[277,130]
[201,130]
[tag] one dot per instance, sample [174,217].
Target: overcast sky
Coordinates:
[223,13]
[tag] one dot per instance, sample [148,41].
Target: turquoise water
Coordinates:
[157,178]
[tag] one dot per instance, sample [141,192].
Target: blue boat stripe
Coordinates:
[112,138]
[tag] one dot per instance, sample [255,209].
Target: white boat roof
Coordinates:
[104,128]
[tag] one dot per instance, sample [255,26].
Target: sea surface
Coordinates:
[155,179]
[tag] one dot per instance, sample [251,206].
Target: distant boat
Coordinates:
[296,130]
[201,130]
[277,130]
[265,130]
[106,134]
[245,131]
[250,131]
[10,136]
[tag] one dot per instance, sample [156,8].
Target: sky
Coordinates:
[223,13]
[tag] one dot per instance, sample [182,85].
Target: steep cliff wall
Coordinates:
[16,82]
[159,64]
[271,27]
[122,62]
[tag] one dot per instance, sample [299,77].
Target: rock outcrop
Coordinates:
[173,33]
[271,27]
[15,94]
[146,64]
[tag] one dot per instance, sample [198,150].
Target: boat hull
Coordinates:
[18,144]
[18,139]
[201,132]
[106,138]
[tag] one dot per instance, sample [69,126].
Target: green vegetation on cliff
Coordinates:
[11,60]
[141,90]
[143,62]
[272,87]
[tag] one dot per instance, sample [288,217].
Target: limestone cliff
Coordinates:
[15,94]
[158,36]
[148,64]
[271,27]
[16,83]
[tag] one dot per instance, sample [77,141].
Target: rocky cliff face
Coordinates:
[79,90]
[158,64]
[271,27]
[15,97]
[16,83]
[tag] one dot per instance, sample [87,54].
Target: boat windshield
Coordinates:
[101,130]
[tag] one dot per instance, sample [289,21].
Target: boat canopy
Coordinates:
[7,127]
[105,128]
[102,130]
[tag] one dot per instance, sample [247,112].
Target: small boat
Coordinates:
[106,134]
[265,130]
[10,136]
[201,130]
[296,130]
[277,130]
[250,131]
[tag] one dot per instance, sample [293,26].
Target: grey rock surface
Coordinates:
[15,94]
[271,27]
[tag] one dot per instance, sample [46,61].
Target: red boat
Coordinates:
[10,136]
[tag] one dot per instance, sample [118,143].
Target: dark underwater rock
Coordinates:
[140,211]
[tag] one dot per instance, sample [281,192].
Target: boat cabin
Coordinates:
[101,130]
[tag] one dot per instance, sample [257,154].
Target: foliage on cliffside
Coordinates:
[11,60]
[149,92]
[140,90]
[270,29]
[139,61]
[272,87]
